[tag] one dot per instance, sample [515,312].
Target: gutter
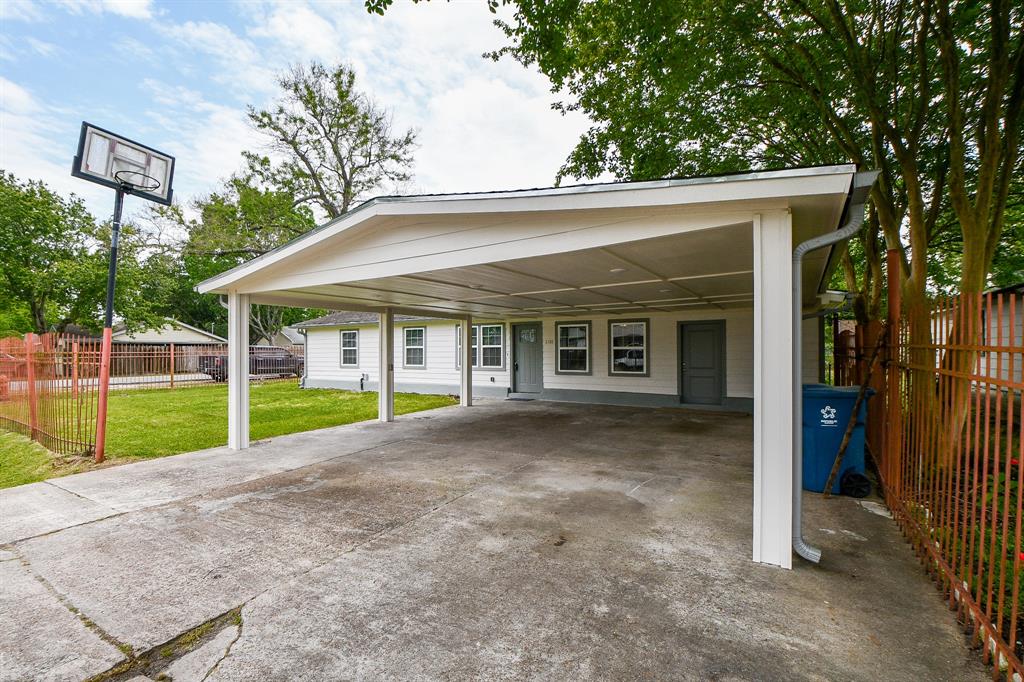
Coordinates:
[862,183]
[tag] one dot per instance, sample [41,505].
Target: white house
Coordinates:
[696,358]
[171,331]
[664,292]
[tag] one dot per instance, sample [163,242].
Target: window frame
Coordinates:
[406,347]
[342,348]
[589,347]
[646,322]
[479,346]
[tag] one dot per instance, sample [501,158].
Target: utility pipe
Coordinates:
[862,183]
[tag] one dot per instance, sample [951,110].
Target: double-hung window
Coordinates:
[573,347]
[415,347]
[488,349]
[628,347]
[349,347]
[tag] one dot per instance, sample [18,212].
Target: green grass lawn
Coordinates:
[157,423]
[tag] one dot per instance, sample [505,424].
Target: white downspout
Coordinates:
[862,183]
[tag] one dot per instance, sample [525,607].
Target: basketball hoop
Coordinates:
[136,181]
[128,168]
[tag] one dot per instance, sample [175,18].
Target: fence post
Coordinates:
[74,369]
[172,365]
[30,380]
[101,404]
[894,417]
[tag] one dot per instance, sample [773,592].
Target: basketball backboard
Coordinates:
[115,161]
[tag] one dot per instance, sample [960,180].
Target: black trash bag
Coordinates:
[854,484]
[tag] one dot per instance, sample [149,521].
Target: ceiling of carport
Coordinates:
[710,268]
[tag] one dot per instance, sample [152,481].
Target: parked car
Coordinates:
[263,361]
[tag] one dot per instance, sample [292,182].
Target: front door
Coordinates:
[702,362]
[528,358]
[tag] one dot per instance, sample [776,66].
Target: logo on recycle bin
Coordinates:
[828,416]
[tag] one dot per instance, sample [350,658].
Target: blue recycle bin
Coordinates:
[826,413]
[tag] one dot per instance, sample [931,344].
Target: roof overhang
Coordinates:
[618,247]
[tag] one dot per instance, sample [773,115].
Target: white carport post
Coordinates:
[386,388]
[238,371]
[466,361]
[773,386]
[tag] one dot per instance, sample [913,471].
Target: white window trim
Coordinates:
[342,348]
[646,348]
[478,363]
[406,347]
[586,324]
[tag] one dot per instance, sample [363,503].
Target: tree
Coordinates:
[234,224]
[335,144]
[929,93]
[53,264]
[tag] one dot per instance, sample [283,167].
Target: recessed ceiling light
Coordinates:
[664,291]
[617,270]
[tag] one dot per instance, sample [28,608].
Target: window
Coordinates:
[349,347]
[415,346]
[573,347]
[488,350]
[492,340]
[627,341]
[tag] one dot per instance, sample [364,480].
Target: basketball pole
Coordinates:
[108,321]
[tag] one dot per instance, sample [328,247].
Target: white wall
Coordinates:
[323,355]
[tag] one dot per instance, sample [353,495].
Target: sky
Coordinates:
[178,75]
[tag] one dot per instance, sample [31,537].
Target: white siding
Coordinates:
[664,352]
[324,361]
[324,356]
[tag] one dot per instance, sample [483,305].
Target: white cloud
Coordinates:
[482,125]
[20,10]
[135,9]
[237,62]
[41,47]
[37,143]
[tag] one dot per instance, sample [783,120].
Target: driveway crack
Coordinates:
[66,602]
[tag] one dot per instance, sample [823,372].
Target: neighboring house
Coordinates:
[172,331]
[611,359]
[676,291]
[288,336]
[1001,324]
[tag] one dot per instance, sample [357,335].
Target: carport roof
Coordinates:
[612,247]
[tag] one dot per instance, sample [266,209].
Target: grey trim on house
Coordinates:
[631,399]
[623,398]
[482,390]
[405,363]
[647,347]
[590,348]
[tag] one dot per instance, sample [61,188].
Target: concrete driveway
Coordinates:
[509,540]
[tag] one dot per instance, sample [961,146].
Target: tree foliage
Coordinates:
[232,225]
[929,93]
[335,144]
[53,265]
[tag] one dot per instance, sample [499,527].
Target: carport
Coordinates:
[713,244]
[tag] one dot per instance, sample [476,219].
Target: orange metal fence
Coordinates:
[49,383]
[954,460]
[48,390]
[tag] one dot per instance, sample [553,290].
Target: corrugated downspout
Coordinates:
[862,183]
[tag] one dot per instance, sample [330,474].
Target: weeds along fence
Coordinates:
[49,383]
[954,461]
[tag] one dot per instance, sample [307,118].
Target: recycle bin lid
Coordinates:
[826,391]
